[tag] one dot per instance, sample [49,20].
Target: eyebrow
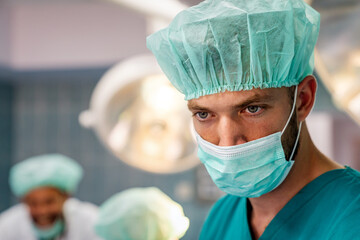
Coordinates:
[253,99]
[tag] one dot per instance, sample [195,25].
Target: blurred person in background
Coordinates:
[245,67]
[44,185]
[141,214]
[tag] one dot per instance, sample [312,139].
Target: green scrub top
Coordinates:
[326,208]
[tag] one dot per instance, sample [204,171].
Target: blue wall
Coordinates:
[6,96]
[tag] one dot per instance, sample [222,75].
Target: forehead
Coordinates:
[43,192]
[230,99]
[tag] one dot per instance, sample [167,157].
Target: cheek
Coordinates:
[207,131]
[198,127]
[259,131]
[270,124]
[56,208]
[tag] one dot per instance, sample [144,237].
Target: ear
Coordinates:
[306,97]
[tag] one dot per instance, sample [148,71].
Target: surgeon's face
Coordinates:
[233,118]
[45,205]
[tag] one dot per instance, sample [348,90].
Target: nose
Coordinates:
[40,210]
[230,132]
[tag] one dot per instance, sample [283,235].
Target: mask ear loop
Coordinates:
[296,142]
[299,130]
[292,110]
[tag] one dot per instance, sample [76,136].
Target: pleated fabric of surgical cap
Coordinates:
[235,45]
[50,170]
[141,214]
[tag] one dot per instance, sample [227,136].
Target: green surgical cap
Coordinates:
[141,214]
[237,45]
[52,170]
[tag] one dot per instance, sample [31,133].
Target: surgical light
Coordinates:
[141,118]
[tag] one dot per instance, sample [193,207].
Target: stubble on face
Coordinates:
[290,134]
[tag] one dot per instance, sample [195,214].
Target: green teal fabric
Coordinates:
[141,214]
[235,45]
[54,170]
[51,233]
[326,208]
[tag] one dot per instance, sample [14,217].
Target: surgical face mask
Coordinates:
[250,169]
[49,233]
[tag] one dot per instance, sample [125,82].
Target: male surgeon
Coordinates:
[245,67]
[44,185]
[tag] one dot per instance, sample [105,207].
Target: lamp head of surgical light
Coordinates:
[141,118]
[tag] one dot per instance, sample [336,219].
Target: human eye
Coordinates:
[202,116]
[253,109]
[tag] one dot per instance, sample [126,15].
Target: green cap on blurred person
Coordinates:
[141,214]
[51,170]
[236,45]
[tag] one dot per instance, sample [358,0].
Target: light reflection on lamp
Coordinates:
[160,96]
[354,105]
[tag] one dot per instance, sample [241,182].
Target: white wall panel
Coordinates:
[5,30]
[81,34]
